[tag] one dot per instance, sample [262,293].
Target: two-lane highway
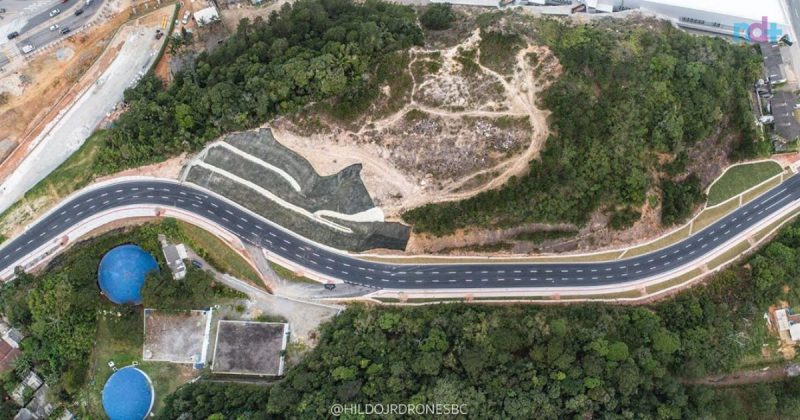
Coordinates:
[260,232]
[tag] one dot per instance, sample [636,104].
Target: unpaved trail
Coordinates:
[745,377]
[396,189]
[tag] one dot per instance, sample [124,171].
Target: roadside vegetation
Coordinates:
[588,360]
[72,331]
[311,51]
[740,178]
[290,275]
[625,97]
[218,253]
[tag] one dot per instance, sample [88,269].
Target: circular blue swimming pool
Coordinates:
[122,273]
[128,395]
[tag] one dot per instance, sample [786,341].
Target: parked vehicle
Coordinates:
[197,264]
[12,35]
[55,12]
[186,15]
[78,12]
[53,27]
[65,30]
[27,48]
[88,2]
[2,10]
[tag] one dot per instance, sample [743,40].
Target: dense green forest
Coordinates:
[58,310]
[627,93]
[313,50]
[586,361]
[203,400]
[218,401]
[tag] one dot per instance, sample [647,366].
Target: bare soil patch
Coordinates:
[460,128]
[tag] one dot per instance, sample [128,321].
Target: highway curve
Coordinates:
[258,231]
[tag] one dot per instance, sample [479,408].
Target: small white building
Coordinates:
[794,332]
[174,256]
[783,319]
[206,16]
[13,337]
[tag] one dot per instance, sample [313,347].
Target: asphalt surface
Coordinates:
[794,16]
[45,36]
[64,19]
[398,276]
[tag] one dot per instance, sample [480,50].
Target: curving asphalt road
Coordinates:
[64,19]
[259,232]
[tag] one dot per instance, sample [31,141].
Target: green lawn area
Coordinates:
[290,275]
[740,178]
[218,253]
[667,240]
[709,216]
[120,339]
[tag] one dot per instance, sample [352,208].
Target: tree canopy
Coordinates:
[310,51]
[586,360]
[626,95]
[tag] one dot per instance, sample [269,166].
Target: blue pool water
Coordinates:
[122,273]
[128,395]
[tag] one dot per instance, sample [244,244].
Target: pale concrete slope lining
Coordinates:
[342,192]
[374,214]
[271,196]
[273,168]
[254,170]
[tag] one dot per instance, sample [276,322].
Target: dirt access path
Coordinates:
[397,171]
[768,374]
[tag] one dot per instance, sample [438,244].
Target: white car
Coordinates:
[54,12]
[53,27]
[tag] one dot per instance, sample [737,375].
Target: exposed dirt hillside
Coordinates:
[461,128]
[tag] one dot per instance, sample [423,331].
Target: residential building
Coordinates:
[174,256]
[206,16]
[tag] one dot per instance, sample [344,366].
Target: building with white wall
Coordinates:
[760,20]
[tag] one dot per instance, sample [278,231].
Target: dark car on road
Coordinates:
[65,30]
[13,35]
[197,264]
[78,12]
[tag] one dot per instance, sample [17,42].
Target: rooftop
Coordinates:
[794,332]
[177,337]
[752,10]
[174,255]
[7,355]
[250,348]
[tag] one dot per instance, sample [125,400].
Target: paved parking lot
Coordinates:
[773,60]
